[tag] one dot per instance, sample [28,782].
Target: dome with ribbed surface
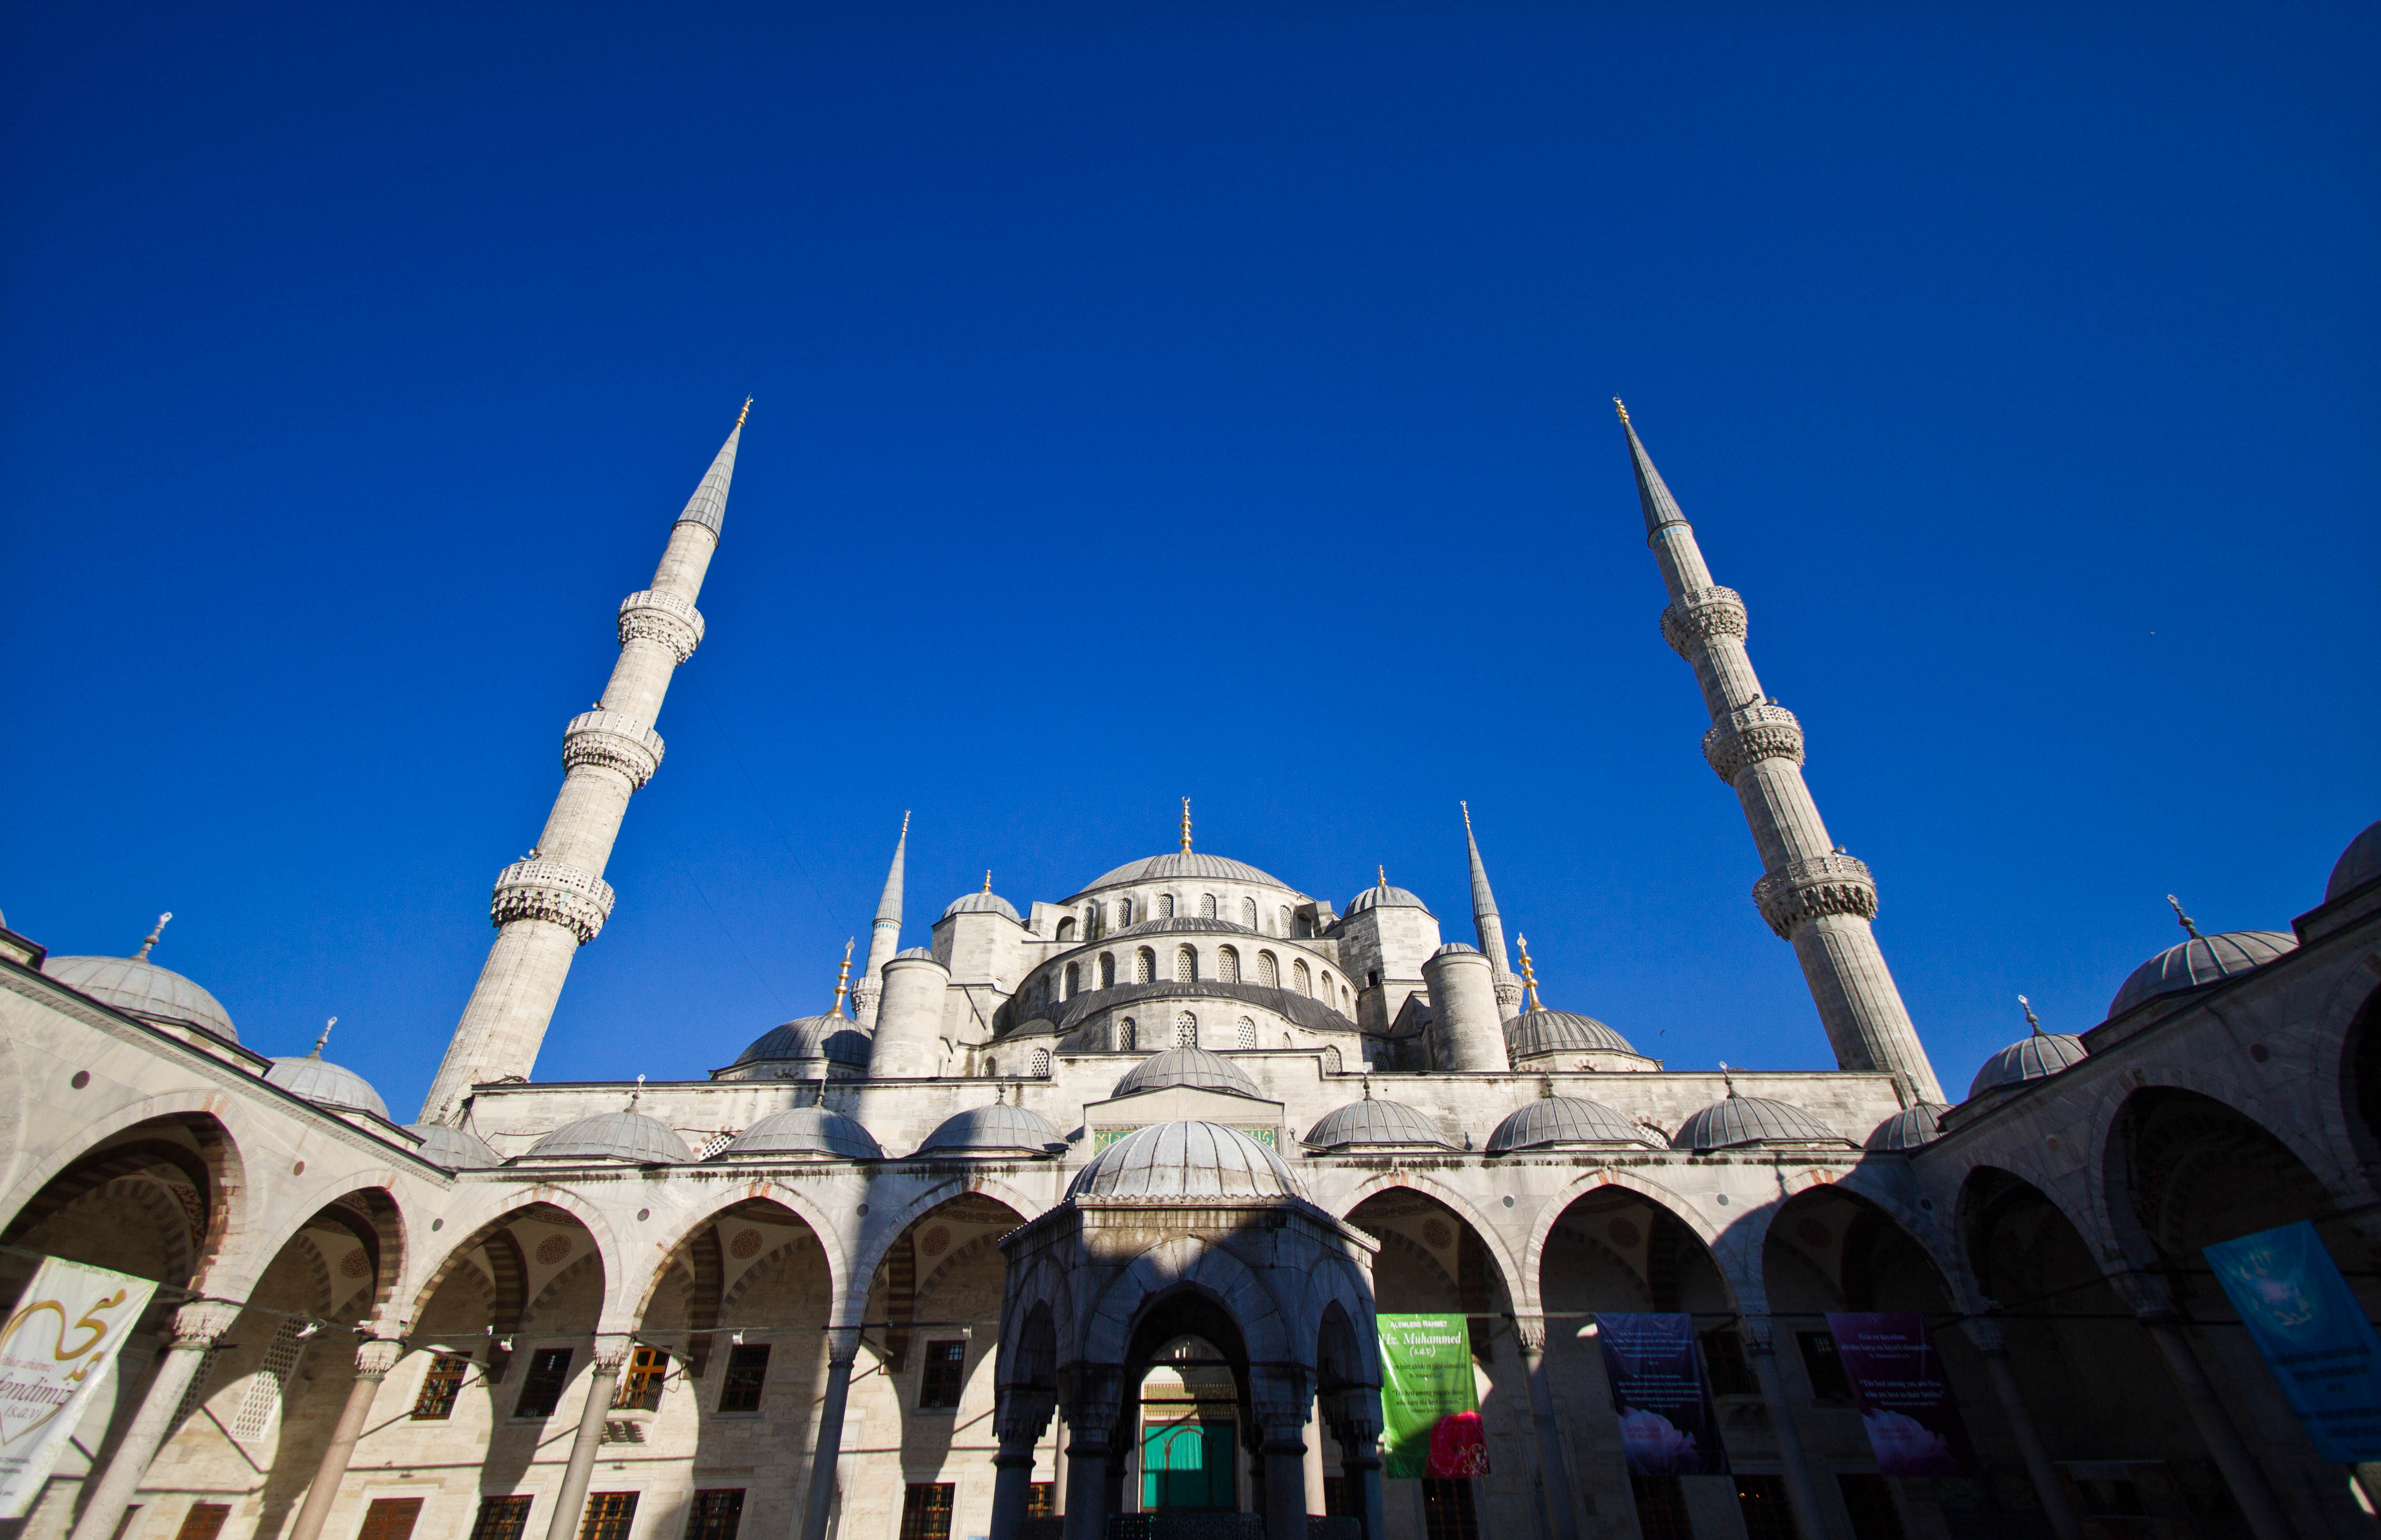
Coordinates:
[1454,949]
[1535,1032]
[453,1148]
[806,1130]
[2035,1058]
[140,988]
[1194,1067]
[1384,897]
[1180,925]
[1363,1123]
[2358,864]
[1558,1121]
[325,1084]
[998,1130]
[1920,1123]
[982,904]
[1186,864]
[926,952]
[831,1037]
[1735,1120]
[1184,1160]
[613,1136]
[2202,960]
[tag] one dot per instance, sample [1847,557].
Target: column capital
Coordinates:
[1532,1330]
[1758,1332]
[843,1345]
[200,1323]
[612,1351]
[1023,1413]
[1985,1332]
[375,1356]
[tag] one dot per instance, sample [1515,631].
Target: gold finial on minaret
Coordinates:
[987,880]
[1186,826]
[1529,974]
[324,1038]
[2031,1019]
[142,954]
[905,823]
[842,980]
[1622,410]
[2188,925]
[748,407]
[1467,815]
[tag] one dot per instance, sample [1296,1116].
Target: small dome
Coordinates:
[833,1038]
[2201,960]
[1384,897]
[325,1084]
[1454,949]
[1920,1123]
[1184,1160]
[996,1130]
[1562,1120]
[1187,1066]
[2035,1057]
[1160,868]
[1375,1123]
[983,904]
[926,952]
[453,1148]
[613,1136]
[139,987]
[1734,1121]
[2358,864]
[1535,1032]
[807,1131]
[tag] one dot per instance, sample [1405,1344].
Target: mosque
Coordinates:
[1078,1219]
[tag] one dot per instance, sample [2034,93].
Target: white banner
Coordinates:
[69,1323]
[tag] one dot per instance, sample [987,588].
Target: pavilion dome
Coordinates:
[1382,896]
[140,988]
[2201,960]
[453,1148]
[325,1084]
[983,904]
[1363,1123]
[2035,1058]
[995,1130]
[1919,1124]
[1733,1121]
[1535,1032]
[807,1131]
[1194,864]
[1184,1160]
[1555,1121]
[2358,864]
[613,1136]
[833,1037]
[1194,1067]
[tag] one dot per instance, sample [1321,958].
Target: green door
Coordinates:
[1187,1466]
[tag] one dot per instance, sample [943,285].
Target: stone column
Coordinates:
[1280,1399]
[842,1350]
[1355,1424]
[1022,1416]
[1986,1334]
[1552,1473]
[1314,1498]
[192,1334]
[1094,1395]
[2232,1457]
[1801,1491]
[603,1381]
[374,1357]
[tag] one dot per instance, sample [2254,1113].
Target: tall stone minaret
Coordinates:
[884,937]
[1812,894]
[553,901]
[1490,925]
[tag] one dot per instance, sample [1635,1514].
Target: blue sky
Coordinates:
[1166,401]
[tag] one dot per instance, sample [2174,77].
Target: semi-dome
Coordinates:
[140,988]
[1363,1123]
[2201,960]
[613,1136]
[1194,1067]
[453,1148]
[1382,896]
[1555,1121]
[996,1130]
[1735,1120]
[807,1131]
[1535,1032]
[2035,1058]
[1186,864]
[325,1084]
[837,1038]
[985,903]
[2358,864]
[1184,1160]
[1919,1124]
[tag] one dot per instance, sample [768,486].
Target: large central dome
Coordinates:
[1184,863]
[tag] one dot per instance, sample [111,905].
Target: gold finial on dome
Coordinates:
[1529,974]
[2188,925]
[842,981]
[1384,875]
[2031,1019]
[1186,826]
[987,880]
[1618,406]
[142,955]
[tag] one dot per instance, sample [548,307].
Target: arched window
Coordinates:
[1285,920]
[1124,911]
[1042,1060]
[1207,906]
[1144,967]
[1186,966]
[1186,1030]
[1107,970]
[1074,980]
[1330,1059]
[1124,1036]
[1268,971]
[1067,928]
[1166,906]
[1302,928]
[1227,965]
[1300,979]
[1246,1036]
[1096,920]
[1327,987]
[1249,913]
[1347,1000]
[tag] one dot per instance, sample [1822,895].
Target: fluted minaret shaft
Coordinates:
[1812,894]
[884,936]
[1490,926]
[554,900]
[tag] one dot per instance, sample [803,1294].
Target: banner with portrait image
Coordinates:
[1660,1393]
[1430,1406]
[68,1327]
[1905,1403]
[2313,1333]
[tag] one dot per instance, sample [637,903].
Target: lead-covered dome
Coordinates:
[2358,864]
[1382,896]
[999,1130]
[1184,1160]
[806,1130]
[2199,961]
[1558,1122]
[1735,1120]
[1194,1067]
[1919,1124]
[985,903]
[325,1084]
[1366,1124]
[1186,864]
[835,1039]
[140,988]
[613,1136]
[2035,1058]
[1535,1032]
[453,1148]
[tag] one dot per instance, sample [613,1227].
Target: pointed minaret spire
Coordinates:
[1812,894]
[1490,925]
[554,900]
[842,980]
[884,937]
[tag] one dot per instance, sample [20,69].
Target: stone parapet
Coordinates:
[657,616]
[1700,614]
[1806,889]
[1751,734]
[612,740]
[540,889]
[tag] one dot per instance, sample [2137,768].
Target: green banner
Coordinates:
[1430,1409]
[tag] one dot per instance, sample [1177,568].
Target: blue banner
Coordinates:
[1660,1394]
[2314,1333]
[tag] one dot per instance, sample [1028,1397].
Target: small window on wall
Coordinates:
[1285,921]
[1725,1364]
[1762,1500]
[1144,967]
[204,1521]
[1207,906]
[609,1516]
[1245,1034]
[1661,1508]
[1067,928]
[502,1519]
[1041,1499]
[1186,1030]
[1124,911]
[1249,913]
[1447,1511]
[1107,970]
[747,1374]
[715,1515]
[1868,1502]
[549,1370]
[943,1377]
[926,1510]
[1186,966]
[1042,1060]
[1300,979]
[640,1387]
[1824,1365]
[390,1519]
[440,1387]
[1342,1499]
[1127,1036]
[1165,907]
[1074,980]
[1268,971]
[1227,965]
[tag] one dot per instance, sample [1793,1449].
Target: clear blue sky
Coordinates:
[1159,401]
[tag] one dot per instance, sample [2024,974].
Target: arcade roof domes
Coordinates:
[837,1038]
[140,988]
[1735,1120]
[1362,1123]
[1194,1067]
[1191,863]
[1560,1121]
[2201,960]
[1919,1124]
[325,1084]
[1382,896]
[1535,1032]
[2358,864]
[453,1148]
[995,1130]
[1184,1160]
[807,1131]
[613,1136]
[986,903]
[2035,1058]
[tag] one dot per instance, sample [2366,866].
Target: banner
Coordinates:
[2314,1333]
[1667,1428]
[1430,1408]
[1905,1403]
[69,1323]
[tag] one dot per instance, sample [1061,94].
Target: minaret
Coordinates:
[553,901]
[1812,893]
[1491,927]
[884,937]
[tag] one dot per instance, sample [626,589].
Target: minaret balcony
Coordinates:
[1700,614]
[1834,884]
[658,616]
[1749,735]
[614,741]
[537,889]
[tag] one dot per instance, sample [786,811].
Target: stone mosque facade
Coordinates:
[1158,1152]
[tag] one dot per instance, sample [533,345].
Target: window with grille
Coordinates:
[609,1514]
[549,1370]
[1074,980]
[1868,1502]
[1041,1061]
[926,1512]
[1041,1499]
[390,1519]
[204,1521]
[1126,1033]
[1186,966]
[1124,911]
[1661,1508]
[1824,1365]
[640,1387]
[1227,965]
[1725,1364]
[748,1371]
[1165,907]
[1761,1499]
[1301,978]
[1144,967]
[440,1387]
[943,1377]
[1342,1497]
[1447,1511]
[1285,920]
[263,1401]
[1206,907]
[1268,971]
[502,1519]
[1249,913]
[715,1515]
[1107,970]
[1245,1034]
[1186,1030]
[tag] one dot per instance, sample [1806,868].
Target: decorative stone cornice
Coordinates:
[1701,614]
[1751,734]
[661,617]
[540,889]
[614,741]
[1806,889]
